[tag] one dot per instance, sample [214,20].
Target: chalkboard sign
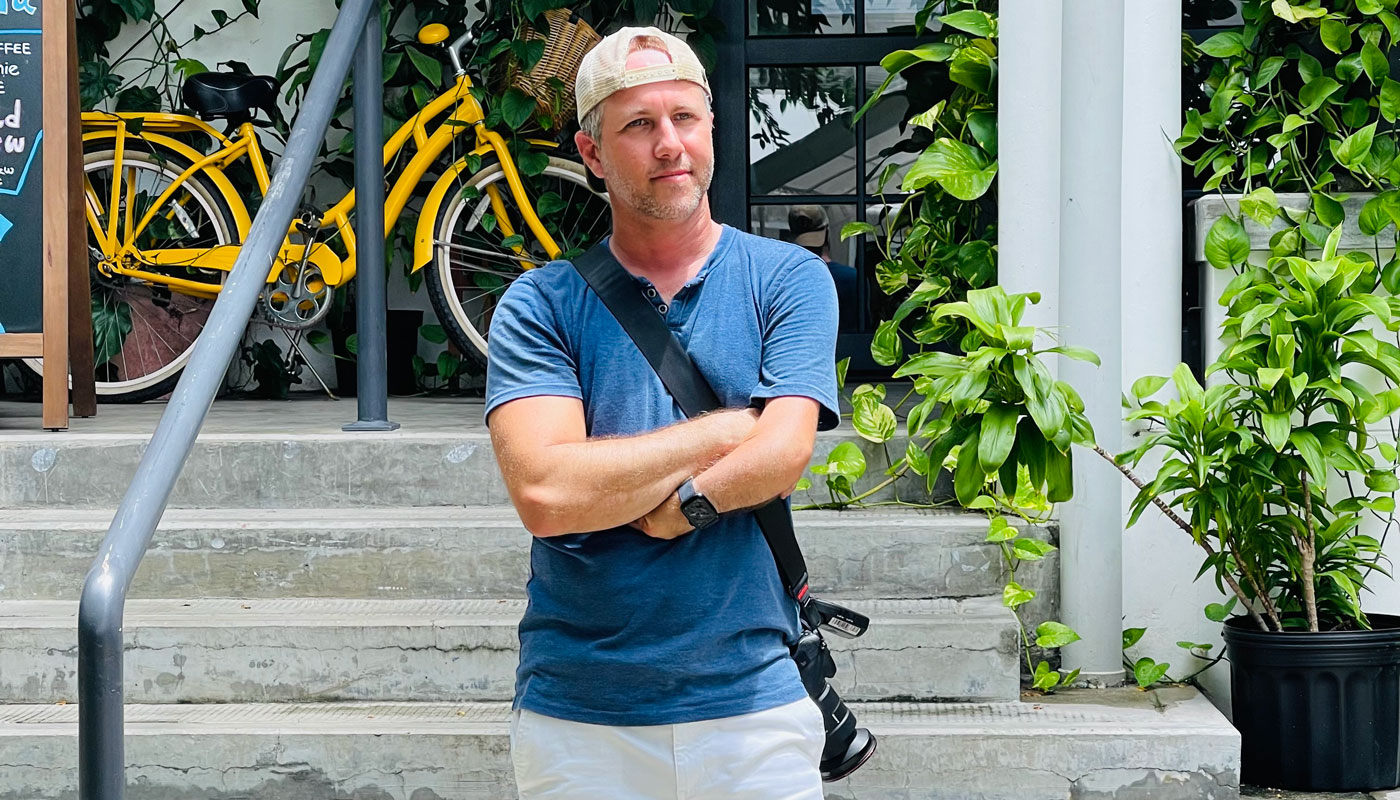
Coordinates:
[21,166]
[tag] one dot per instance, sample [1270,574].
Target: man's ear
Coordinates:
[588,151]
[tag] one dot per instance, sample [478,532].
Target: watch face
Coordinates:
[699,512]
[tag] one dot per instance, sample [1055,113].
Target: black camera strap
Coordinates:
[639,318]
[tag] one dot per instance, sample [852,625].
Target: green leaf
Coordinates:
[918,458]
[968,477]
[1194,646]
[512,241]
[1000,530]
[1227,244]
[1132,636]
[1044,678]
[1351,152]
[1390,100]
[532,162]
[1014,595]
[1146,671]
[516,107]
[1291,13]
[977,23]
[1261,205]
[1268,70]
[1369,6]
[973,67]
[874,420]
[803,484]
[1224,45]
[1315,93]
[885,346]
[1335,35]
[997,436]
[856,229]
[846,459]
[1373,218]
[1276,429]
[962,170]
[433,333]
[1147,386]
[1217,612]
[1054,634]
[1032,549]
[1375,63]
[111,323]
[1380,481]
[1059,475]
[430,68]
[448,364]
[841,367]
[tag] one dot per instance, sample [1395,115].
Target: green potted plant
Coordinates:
[1272,470]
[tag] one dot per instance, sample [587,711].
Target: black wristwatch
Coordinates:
[697,508]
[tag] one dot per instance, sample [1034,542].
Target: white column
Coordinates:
[1091,180]
[1028,107]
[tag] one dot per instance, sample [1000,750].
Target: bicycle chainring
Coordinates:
[293,301]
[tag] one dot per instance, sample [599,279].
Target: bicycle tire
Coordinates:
[162,380]
[578,218]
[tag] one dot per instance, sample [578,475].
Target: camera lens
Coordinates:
[847,747]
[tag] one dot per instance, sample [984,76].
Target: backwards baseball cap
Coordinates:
[604,68]
[807,225]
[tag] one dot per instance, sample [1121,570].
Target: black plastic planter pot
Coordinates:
[1317,711]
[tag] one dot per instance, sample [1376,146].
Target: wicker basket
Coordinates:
[570,37]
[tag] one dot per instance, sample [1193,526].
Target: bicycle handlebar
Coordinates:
[454,50]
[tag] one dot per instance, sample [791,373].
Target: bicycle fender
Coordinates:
[427,217]
[221,181]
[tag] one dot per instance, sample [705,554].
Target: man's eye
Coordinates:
[636,123]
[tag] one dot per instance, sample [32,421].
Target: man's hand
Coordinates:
[665,521]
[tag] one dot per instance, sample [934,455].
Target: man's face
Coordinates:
[657,151]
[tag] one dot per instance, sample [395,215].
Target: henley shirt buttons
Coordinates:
[651,292]
[662,308]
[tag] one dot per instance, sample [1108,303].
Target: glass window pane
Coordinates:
[800,135]
[891,16]
[817,228]
[800,17]
[891,144]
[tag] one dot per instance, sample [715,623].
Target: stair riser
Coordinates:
[972,659]
[475,765]
[306,472]
[483,561]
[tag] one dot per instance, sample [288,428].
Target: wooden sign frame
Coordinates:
[66,340]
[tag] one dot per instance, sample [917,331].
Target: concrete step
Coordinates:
[465,553]
[301,462]
[233,651]
[1091,745]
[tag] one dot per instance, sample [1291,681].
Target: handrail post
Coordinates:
[371,306]
[101,760]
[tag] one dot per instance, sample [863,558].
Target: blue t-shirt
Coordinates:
[622,628]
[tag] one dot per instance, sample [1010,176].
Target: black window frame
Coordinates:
[731,196]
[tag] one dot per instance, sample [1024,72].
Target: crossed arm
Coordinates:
[561,481]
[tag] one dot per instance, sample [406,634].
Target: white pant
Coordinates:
[767,755]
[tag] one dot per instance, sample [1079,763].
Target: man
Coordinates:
[654,658]
[807,227]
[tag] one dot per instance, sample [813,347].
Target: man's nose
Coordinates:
[668,141]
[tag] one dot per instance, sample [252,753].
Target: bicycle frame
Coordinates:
[125,258]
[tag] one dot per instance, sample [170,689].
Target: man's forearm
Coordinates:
[606,482]
[752,474]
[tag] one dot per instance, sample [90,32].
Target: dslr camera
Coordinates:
[847,747]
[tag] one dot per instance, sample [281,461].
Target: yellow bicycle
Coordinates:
[165,221]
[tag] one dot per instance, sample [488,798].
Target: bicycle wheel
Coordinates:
[473,260]
[143,332]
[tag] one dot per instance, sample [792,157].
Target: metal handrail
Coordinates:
[101,752]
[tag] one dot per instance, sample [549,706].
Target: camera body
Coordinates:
[847,747]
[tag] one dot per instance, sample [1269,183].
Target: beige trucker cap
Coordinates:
[604,68]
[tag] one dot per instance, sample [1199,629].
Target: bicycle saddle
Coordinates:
[228,95]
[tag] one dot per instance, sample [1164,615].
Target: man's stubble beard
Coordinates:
[646,202]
